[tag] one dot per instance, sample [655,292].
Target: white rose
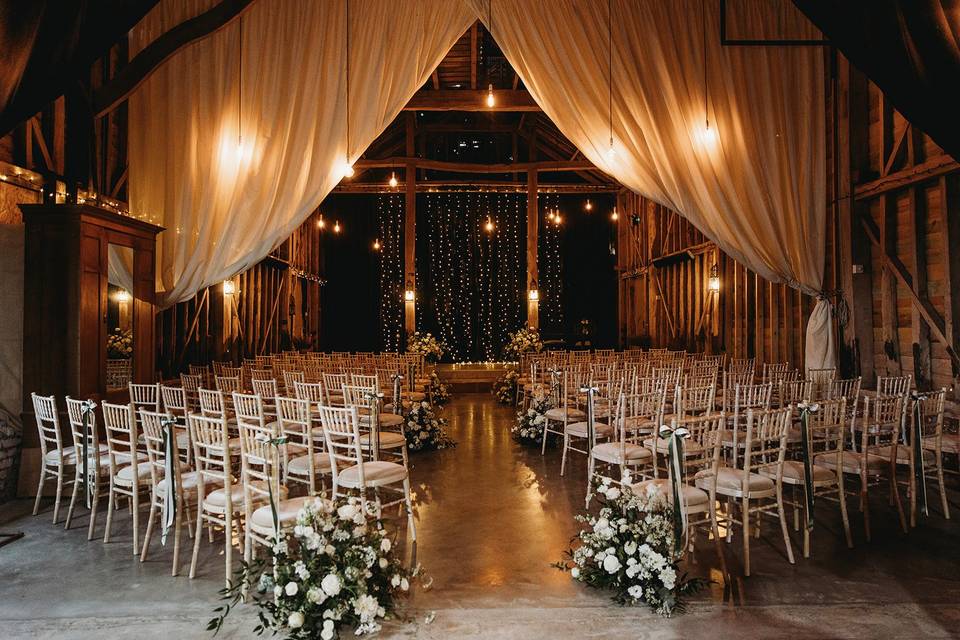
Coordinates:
[611,564]
[385,545]
[277,591]
[404,584]
[630,548]
[383,563]
[295,621]
[613,493]
[347,512]
[291,589]
[575,573]
[316,596]
[330,584]
[395,581]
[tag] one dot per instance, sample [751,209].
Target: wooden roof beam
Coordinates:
[471,100]
[468,167]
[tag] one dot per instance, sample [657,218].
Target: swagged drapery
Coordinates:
[757,188]
[231,178]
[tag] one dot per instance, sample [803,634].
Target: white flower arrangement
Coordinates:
[523,340]
[336,569]
[120,344]
[532,422]
[424,430]
[505,388]
[425,344]
[439,390]
[628,547]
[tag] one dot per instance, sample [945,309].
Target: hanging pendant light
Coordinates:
[376,244]
[489,225]
[336,227]
[491,101]
[393,179]
[588,206]
[614,215]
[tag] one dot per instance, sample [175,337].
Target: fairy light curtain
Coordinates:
[389,235]
[471,279]
[232,173]
[755,183]
[550,267]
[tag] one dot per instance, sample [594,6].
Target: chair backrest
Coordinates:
[882,417]
[827,428]
[932,406]
[260,460]
[228,384]
[120,428]
[332,387]
[151,423]
[694,401]
[739,366]
[766,440]
[230,372]
[48,423]
[191,383]
[795,391]
[822,376]
[360,380]
[357,396]
[848,388]
[210,439]
[175,402]
[775,372]
[702,446]
[212,403]
[248,408]
[146,396]
[642,413]
[309,391]
[731,379]
[261,374]
[75,415]
[894,385]
[341,431]
[290,377]
[266,389]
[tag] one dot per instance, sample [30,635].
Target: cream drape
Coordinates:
[231,179]
[758,187]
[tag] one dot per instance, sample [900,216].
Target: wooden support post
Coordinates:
[919,329]
[533,228]
[888,287]
[410,231]
[950,204]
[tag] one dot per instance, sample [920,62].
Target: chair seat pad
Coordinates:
[949,443]
[300,466]
[386,419]
[558,414]
[640,424]
[579,429]
[731,481]
[216,499]
[188,482]
[125,475]
[388,440]
[414,396]
[903,454]
[610,452]
[691,496]
[69,455]
[375,474]
[852,461]
[287,512]
[793,473]
[726,438]
[690,448]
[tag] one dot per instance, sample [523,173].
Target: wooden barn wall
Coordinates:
[665,265]
[280,292]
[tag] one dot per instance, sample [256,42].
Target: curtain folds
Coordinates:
[754,182]
[232,173]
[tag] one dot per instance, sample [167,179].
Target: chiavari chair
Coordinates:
[290,377]
[305,458]
[745,397]
[55,458]
[730,382]
[268,392]
[389,435]
[175,405]
[98,459]
[623,449]
[742,366]
[690,401]
[566,393]
[129,471]
[144,396]
[191,383]
[579,430]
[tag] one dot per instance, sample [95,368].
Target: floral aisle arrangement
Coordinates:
[505,388]
[439,390]
[425,431]
[335,569]
[530,423]
[523,340]
[120,344]
[425,344]
[628,548]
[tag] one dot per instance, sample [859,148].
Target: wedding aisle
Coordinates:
[492,516]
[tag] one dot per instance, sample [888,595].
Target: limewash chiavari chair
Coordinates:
[565,392]
[622,451]
[228,385]
[579,430]
[690,401]
[848,388]
[388,439]
[826,435]
[261,374]
[268,392]
[98,459]
[129,470]
[184,484]
[794,392]
[821,379]
[745,397]
[260,459]
[175,405]
[775,372]
[758,480]
[216,506]
[341,430]
[931,407]
[701,459]
[894,386]
[144,396]
[333,388]
[742,366]
[54,457]
[730,383]
[200,371]
[305,457]
[290,378]
[191,384]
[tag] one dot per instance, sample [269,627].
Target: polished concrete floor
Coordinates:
[492,516]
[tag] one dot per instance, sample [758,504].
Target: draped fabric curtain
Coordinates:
[232,168]
[755,182]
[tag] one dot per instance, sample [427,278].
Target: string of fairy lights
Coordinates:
[550,262]
[389,246]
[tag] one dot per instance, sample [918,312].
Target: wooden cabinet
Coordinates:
[66,254]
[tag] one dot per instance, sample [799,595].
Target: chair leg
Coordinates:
[43,479]
[912,488]
[73,498]
[543,443]
[409,504]
[93,513]
[177,524]
[563,458]
[196,544]
[865,505]
[895,491]
[111,499]
[149,534]
[943,491]
[56,505]
[842,497]
[590,467]
[786,529]
[746,536]
[135,507]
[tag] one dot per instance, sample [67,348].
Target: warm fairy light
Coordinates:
[393,179]
[550,215]
[346,169]
[408,295]
[614,215]
[489,225]
[376,244]
[533,295]
[491,101]
[556,218]
[321,223]
[122,296]
[336,227]
[229,288]
[588,206]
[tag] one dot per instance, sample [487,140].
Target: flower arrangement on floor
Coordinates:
[425,431]
[335,569]
[530,423]
[120,344]
[523,340]
[628,547]
[425,344]
[505,387]
[439,390]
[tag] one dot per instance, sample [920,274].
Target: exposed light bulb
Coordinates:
[491,101]
[588,206]
[614,215]
[557,219]
[122,296]
[707,135]
[489,225]
[611,152]
[550,215]
[321,223]
[393,179]
[376,245]
[229,287]
[336,227]
[347,170]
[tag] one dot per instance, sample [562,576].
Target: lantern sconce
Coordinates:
[229,287]
[122,296]
[408,295]
[533,295]
[713,283]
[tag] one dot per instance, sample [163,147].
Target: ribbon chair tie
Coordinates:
[806,408]
[675,455]
[169,516]
[276,443]
[374,398]
[86,409]
[917,445]
[397,385]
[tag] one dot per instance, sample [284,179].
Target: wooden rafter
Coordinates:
[471,100]
[468,167]
[932,168]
